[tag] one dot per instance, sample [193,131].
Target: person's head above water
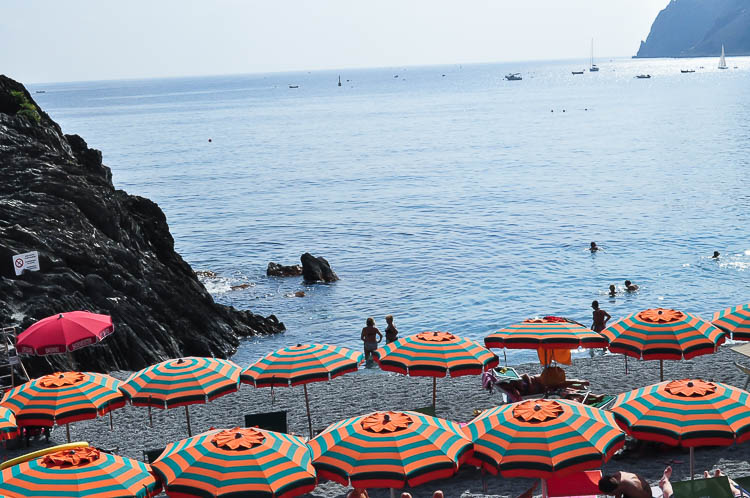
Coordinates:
[595,305]
[371,322]
[612,289]
[388,318]
[628,283]
[716,254]
[593,247]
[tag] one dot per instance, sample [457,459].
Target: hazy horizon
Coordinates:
[83,40]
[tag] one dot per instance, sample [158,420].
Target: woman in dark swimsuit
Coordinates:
[391,333]
[371,336]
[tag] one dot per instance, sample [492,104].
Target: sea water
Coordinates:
[446,196]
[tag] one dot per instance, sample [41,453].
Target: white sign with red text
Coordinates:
[27,261]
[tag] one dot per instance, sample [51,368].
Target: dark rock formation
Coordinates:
[100,249]
[277,270]
[698,28]
[316,269]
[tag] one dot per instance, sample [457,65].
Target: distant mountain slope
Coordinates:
[698,28]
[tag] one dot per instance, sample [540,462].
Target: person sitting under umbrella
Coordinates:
[626,485]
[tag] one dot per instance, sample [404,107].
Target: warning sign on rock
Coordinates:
[28,261]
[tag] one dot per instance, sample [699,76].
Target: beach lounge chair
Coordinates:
[271,421]
[426,410]
[715,487]
[151,455]
[746,371]
[579,485]
[744,485]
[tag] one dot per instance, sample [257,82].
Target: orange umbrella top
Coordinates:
[663,334]
[547,333]
[735,319]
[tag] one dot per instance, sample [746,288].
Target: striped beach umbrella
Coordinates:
[389,450]
[543,437]
[62,398]
[237,462]
[688,413]
[545,333]
[735,320]
[435,354]
[64,333]
[663,334]
[301,365]
[78,472]
[182,382]
[8,427]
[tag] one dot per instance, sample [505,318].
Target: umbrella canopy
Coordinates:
[64,332]
[8,425]
[63,397]
[688,412]
[389,450]
[78,472]
[182,382]
[237,462]
[435,354]
[663,334]
[735,319]
[545,333]
[541,438]
[302,364]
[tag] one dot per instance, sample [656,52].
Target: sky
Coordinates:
[76,40]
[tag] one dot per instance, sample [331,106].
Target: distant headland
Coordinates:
[698,28]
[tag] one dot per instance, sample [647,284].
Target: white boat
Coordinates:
[594,68]
[722,60]
[513,77]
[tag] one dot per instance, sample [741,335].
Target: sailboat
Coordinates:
[594,68]
[339,80]
[722,60]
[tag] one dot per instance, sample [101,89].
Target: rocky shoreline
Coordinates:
[100,249]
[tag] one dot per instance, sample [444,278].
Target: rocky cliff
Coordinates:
[100,249]
[698,28]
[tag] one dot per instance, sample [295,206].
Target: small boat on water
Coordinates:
[643,76]
[339,80]
[577,72]
[722,60]
[41,91]
[683,71]
[293,86]
[594,68]
[513,77]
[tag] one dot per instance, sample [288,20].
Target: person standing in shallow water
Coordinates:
[371,336]
[391,333]
[601,318]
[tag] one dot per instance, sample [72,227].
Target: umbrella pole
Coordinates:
[187,417]
[692,463]
[393,493]
[67,431]
[150,415]
[307,404]
[111,425]
[544,488]
[626,365]
[661,370]
[434,391]
[484,480]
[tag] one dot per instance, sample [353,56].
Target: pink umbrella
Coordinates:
[63,333]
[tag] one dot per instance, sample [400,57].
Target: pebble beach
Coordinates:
[371,389]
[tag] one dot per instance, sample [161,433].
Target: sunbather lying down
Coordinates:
[666,485]
[532,384]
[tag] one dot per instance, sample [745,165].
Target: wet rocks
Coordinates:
[316,269]
[279,270]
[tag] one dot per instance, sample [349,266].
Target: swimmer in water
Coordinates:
[716,255]
[593,247]
[630,286]
[612,290]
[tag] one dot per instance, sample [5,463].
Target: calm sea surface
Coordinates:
[446,196]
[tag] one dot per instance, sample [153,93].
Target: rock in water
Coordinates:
[316,269]
[100,249]
[277,270]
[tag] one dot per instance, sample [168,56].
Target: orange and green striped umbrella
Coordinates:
[435,354]
[78,472]
[302,364]
[545,333]
[389,450]
[663,334]
[8,427]
[237,462]
[63,397]
[182,382]
[736,320]
[543,437]
[688,413]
